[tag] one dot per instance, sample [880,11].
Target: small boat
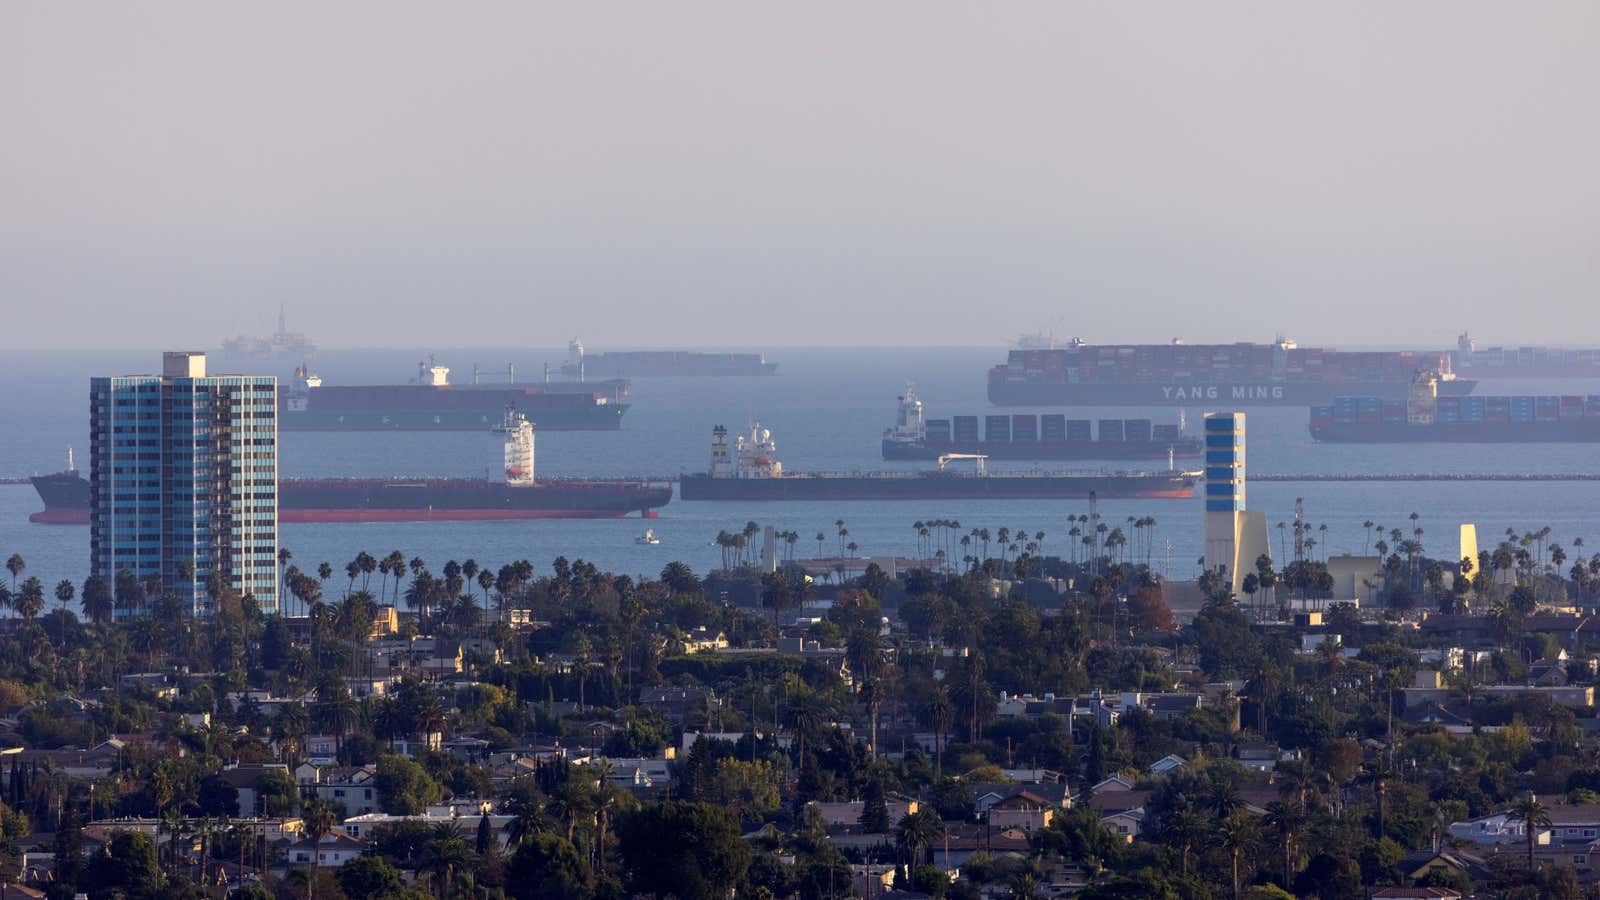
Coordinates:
[649,537]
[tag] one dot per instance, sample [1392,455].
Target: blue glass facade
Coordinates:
[1224,440]
[183,482]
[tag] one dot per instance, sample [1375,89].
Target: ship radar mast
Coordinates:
[519,448]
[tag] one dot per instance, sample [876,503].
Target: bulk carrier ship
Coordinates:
[1030,437]
[1426,417]
[520,496]
[432,403]
[748,470]
[1177,374]
[645,363]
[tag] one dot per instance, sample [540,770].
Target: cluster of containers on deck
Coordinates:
[1048,429]
[1213,363]
[1469,410]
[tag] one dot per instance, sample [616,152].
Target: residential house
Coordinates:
[703,640]
[245,779]
[352,789]
[362,826]
[1416,893]
[987,796]
[1125,824]
[837,815]
[1025,810]
[330,851]
[1169,763]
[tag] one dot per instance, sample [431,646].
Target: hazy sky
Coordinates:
[407,173]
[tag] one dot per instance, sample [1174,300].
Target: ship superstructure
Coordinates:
[1030,436]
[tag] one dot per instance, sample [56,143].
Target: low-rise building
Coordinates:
[330,851]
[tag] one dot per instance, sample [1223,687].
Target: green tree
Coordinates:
[405,787]
[548,867]
[370,878]
[128,865]
[692,851]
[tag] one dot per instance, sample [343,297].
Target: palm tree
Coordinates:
[1287,820]
[1236,834]
[940,713]
[446,852]
[1533,815]
[1187,827]
[15,565]
[915,833]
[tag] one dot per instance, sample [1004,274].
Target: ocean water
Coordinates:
[827,409]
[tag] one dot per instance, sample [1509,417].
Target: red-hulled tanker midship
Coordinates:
[520,496]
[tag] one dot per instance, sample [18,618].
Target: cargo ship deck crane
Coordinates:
[979,460]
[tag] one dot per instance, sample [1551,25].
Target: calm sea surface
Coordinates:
[827,410]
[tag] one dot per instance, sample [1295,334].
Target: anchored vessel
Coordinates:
[1523,362]
[1425,417]
[284,344]
[1176,374]
[1050,436]
[636,363]
[432,403]
[748,470]
[66,494]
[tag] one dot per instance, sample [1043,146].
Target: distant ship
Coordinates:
[519,496]
[284,344]
[1022,437]
[748,470]
[646,363]
[1177,374]
[432,403]
[1427,418]
[1523,362]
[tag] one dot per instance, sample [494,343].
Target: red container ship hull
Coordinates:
[66,499]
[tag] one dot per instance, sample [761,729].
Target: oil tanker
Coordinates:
[645,363]
[520,496]
[1177,374]
[1030,437]
[1427,418]
[432,403]
[747,470]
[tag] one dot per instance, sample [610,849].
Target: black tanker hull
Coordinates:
[1096,450]
[1003,392]
[935,487]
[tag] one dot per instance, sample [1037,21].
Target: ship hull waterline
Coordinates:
[791,488]
[1078,450]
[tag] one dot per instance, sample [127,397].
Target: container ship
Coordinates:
[1177,374]
[1030,436]
[432,403]
[1523,362]
[748,470]
[1428,418]
[519,496]
[646,363]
